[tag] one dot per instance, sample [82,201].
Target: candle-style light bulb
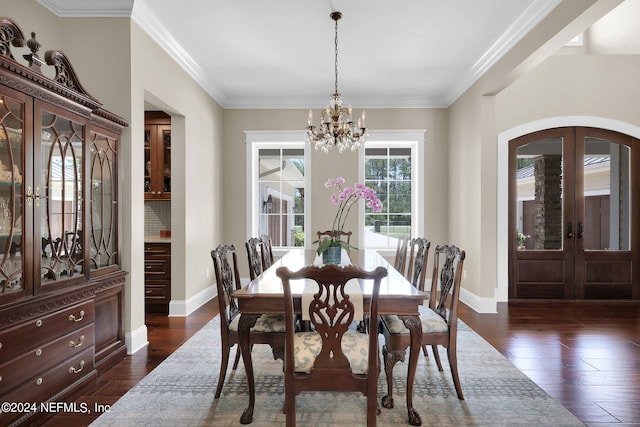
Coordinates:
[310,117]
[363,117]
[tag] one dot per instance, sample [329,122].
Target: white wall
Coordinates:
[196,168]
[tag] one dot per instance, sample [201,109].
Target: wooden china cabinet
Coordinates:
[61,284]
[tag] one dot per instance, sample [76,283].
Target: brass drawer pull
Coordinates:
[39,352]
[74,319]
[39,323]
[73,370]
[78,344]
[39,381]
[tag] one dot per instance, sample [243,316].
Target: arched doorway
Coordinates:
[571,230]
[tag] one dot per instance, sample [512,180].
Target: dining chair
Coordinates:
[400,260]
[439,320]
[333,234]
[269,328]
[255,256]
[333,357]
[267,253]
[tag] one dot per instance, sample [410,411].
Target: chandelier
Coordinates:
[337,127]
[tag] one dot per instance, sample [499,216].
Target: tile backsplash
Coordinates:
[157,216]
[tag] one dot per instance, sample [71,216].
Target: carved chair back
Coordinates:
[225,262]
[333,234]
[401,254]
[417,267]
[255,256]
[445,283]
[267,251]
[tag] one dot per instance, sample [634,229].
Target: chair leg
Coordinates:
[453,364]
[223,369]
[424,350]
[237,359]
[390,359]
[372,408]
[437,356]
[290,409]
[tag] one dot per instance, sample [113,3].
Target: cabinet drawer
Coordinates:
[155,291]
[157,249]
[42,387]
[157,268]
[43,357]
[42,329]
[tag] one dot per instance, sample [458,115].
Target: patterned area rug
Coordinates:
[180,392]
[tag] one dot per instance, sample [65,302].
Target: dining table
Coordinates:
[265,295]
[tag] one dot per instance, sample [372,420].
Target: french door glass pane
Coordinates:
[539,195]
[607,196]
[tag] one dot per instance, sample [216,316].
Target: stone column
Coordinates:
[548,202]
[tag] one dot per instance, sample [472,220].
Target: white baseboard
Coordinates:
[136,340]
[479,304]
[182,308]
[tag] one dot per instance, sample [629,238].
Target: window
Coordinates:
[392,168]
[278,181]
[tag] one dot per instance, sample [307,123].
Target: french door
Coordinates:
[573,215]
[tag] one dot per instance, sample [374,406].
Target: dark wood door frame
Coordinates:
[569,271]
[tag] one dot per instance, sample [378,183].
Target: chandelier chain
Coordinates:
[336,55]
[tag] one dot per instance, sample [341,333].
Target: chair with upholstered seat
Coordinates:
[333,357]
[269,328]
[439,320]
[333,234]
[255,256]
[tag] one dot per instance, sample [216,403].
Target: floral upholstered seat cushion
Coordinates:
[431,322]
[307,346]
[265,323]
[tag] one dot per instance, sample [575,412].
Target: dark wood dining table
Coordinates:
[264,294]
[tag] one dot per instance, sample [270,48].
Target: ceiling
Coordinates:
[280,53]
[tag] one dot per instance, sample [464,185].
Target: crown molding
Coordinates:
[144,16]
[85,9]
[531,17]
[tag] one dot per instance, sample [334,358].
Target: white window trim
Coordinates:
[256,140]
[415,139]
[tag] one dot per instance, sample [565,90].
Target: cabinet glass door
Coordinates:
[104,203]
[165,131]
[12,123]
[58,193]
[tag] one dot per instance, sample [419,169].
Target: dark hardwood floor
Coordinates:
[584,354]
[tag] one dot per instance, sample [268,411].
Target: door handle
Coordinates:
[569,230]
[580,230]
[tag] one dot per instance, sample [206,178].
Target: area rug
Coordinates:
[180,392]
